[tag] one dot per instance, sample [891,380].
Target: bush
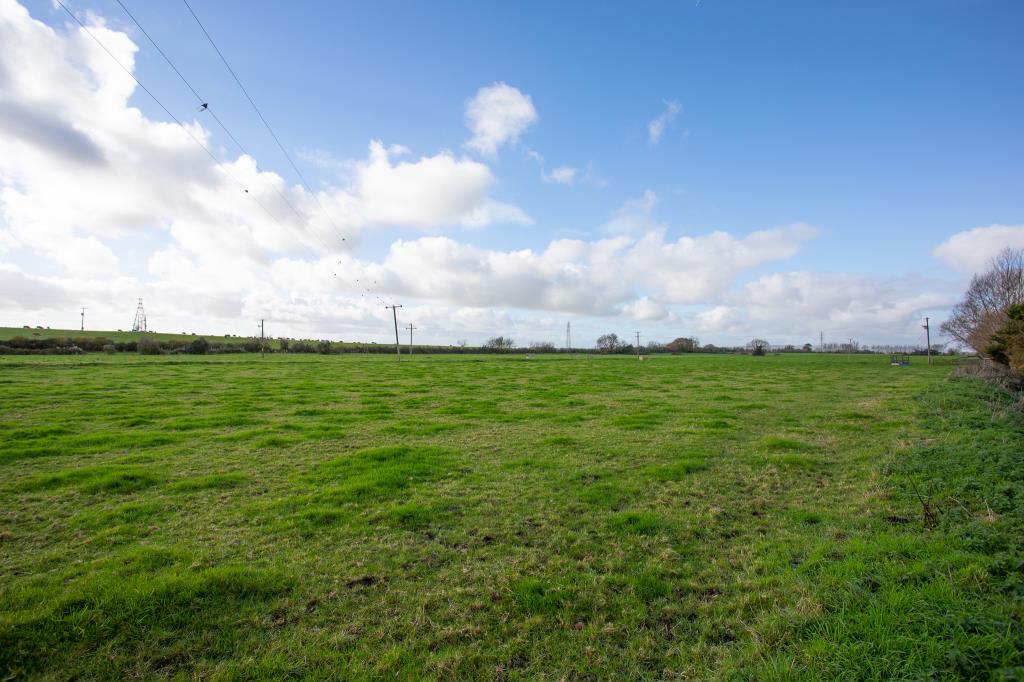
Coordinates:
[109,348]
[324,347]
[684,344]
[148,347]
[199,347]
[1007,343]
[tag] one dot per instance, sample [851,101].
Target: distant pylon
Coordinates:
[139,325]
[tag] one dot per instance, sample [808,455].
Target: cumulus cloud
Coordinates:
[656,127]
[431,192]
[496,115]
[82,170]
[795,305]
[646,310]
[697,269]
[971,250]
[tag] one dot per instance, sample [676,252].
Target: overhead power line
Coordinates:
[205,107]
[262,118]
[168,112]
[366,289]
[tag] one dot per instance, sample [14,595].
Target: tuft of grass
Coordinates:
[97,479]
[210,482]
[779,444]
[140,617]
[536,596]
[378,473]
[679,469]
[412,516]
[558,441]
[636,523]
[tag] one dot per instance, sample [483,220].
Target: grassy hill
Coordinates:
[122,336]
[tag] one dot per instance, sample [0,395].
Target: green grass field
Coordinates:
[116,336]
[350,517]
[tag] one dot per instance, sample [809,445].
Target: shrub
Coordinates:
[109,348]
[199,347]
[684,344]
[148,347]
[1006,345]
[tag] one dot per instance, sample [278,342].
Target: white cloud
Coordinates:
[971,250]
[698,269]
[82,171]
[646,310]
[563,175]
[496,115]
[656,127]
[799,305]
[431,192]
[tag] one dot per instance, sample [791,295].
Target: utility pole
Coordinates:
[568,337]
[821,342]
[410,337]
[83,318]
[394,314]
[928,336]
[262,344]
[637,344]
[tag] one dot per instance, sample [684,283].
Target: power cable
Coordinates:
[262,118]
[205,106]
[168,112]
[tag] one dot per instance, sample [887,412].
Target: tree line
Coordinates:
[990,317]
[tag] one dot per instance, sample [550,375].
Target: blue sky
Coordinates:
[888,127]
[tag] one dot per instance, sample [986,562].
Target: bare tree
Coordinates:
[500,343]
[758,346]
[608,343]
[983,311]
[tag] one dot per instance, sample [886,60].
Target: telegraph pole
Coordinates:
[394,314]
[262,344]
[568,337]
[928,336]
[410,328]
[637,344]
[83,318]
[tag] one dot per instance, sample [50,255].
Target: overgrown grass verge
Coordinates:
[936,589]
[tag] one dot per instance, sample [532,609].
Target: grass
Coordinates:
[347,517]
[116,336]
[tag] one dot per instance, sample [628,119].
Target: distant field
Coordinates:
[351,517]
[10,332]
